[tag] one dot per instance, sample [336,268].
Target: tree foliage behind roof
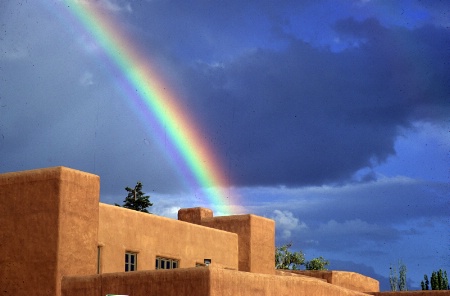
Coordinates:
[136,199]
[285,259]
[317,264]
[439,281]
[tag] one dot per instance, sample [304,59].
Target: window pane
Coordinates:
[130,261]
[166,263]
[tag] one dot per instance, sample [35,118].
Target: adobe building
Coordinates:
[57,239]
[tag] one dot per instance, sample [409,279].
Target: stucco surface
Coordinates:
[194,215]
[201,281]
[85,285]
[149,235]
[186,282]
[349,280]
[40,238]
[78,223]
[225,282]
[256,240]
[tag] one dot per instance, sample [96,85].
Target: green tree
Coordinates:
[439,280]
[317,264]
[398,281]
[402,277]
[425,284]
[136,199]
[285,259]
[393,278]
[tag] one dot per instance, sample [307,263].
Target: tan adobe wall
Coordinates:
[149,235]
[256,236]
[48,220]
[194,215]
[184,281]
[200,281]
[286,272]
[263,284]
[256,240]
[90,285]
[349,280]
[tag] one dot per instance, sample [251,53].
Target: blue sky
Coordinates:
[331,117]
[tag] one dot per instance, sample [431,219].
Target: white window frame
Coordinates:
[166,263]
[130,261]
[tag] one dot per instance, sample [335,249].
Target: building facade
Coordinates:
[57,239]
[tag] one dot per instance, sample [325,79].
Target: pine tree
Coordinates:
[136,199]
[445,284]
[439,280]
[425,284]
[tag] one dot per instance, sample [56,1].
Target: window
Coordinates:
[166,263]
[130,261]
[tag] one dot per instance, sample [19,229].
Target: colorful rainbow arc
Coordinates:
[154,99]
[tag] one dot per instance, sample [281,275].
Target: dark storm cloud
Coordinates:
[276,109]
[308,115]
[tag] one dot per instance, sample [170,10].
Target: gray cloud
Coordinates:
[61,106]
[387,201]
[286,222]
[308,115]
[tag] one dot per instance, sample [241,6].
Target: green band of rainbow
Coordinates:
[198,164]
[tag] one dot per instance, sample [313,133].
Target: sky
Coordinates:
[330,117]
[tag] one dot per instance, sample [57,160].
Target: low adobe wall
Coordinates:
[182,281]
[200,281]
[349,280]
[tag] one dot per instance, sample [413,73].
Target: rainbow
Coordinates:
[153,99]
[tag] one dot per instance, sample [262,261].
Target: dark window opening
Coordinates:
[166,263]
[130,261]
